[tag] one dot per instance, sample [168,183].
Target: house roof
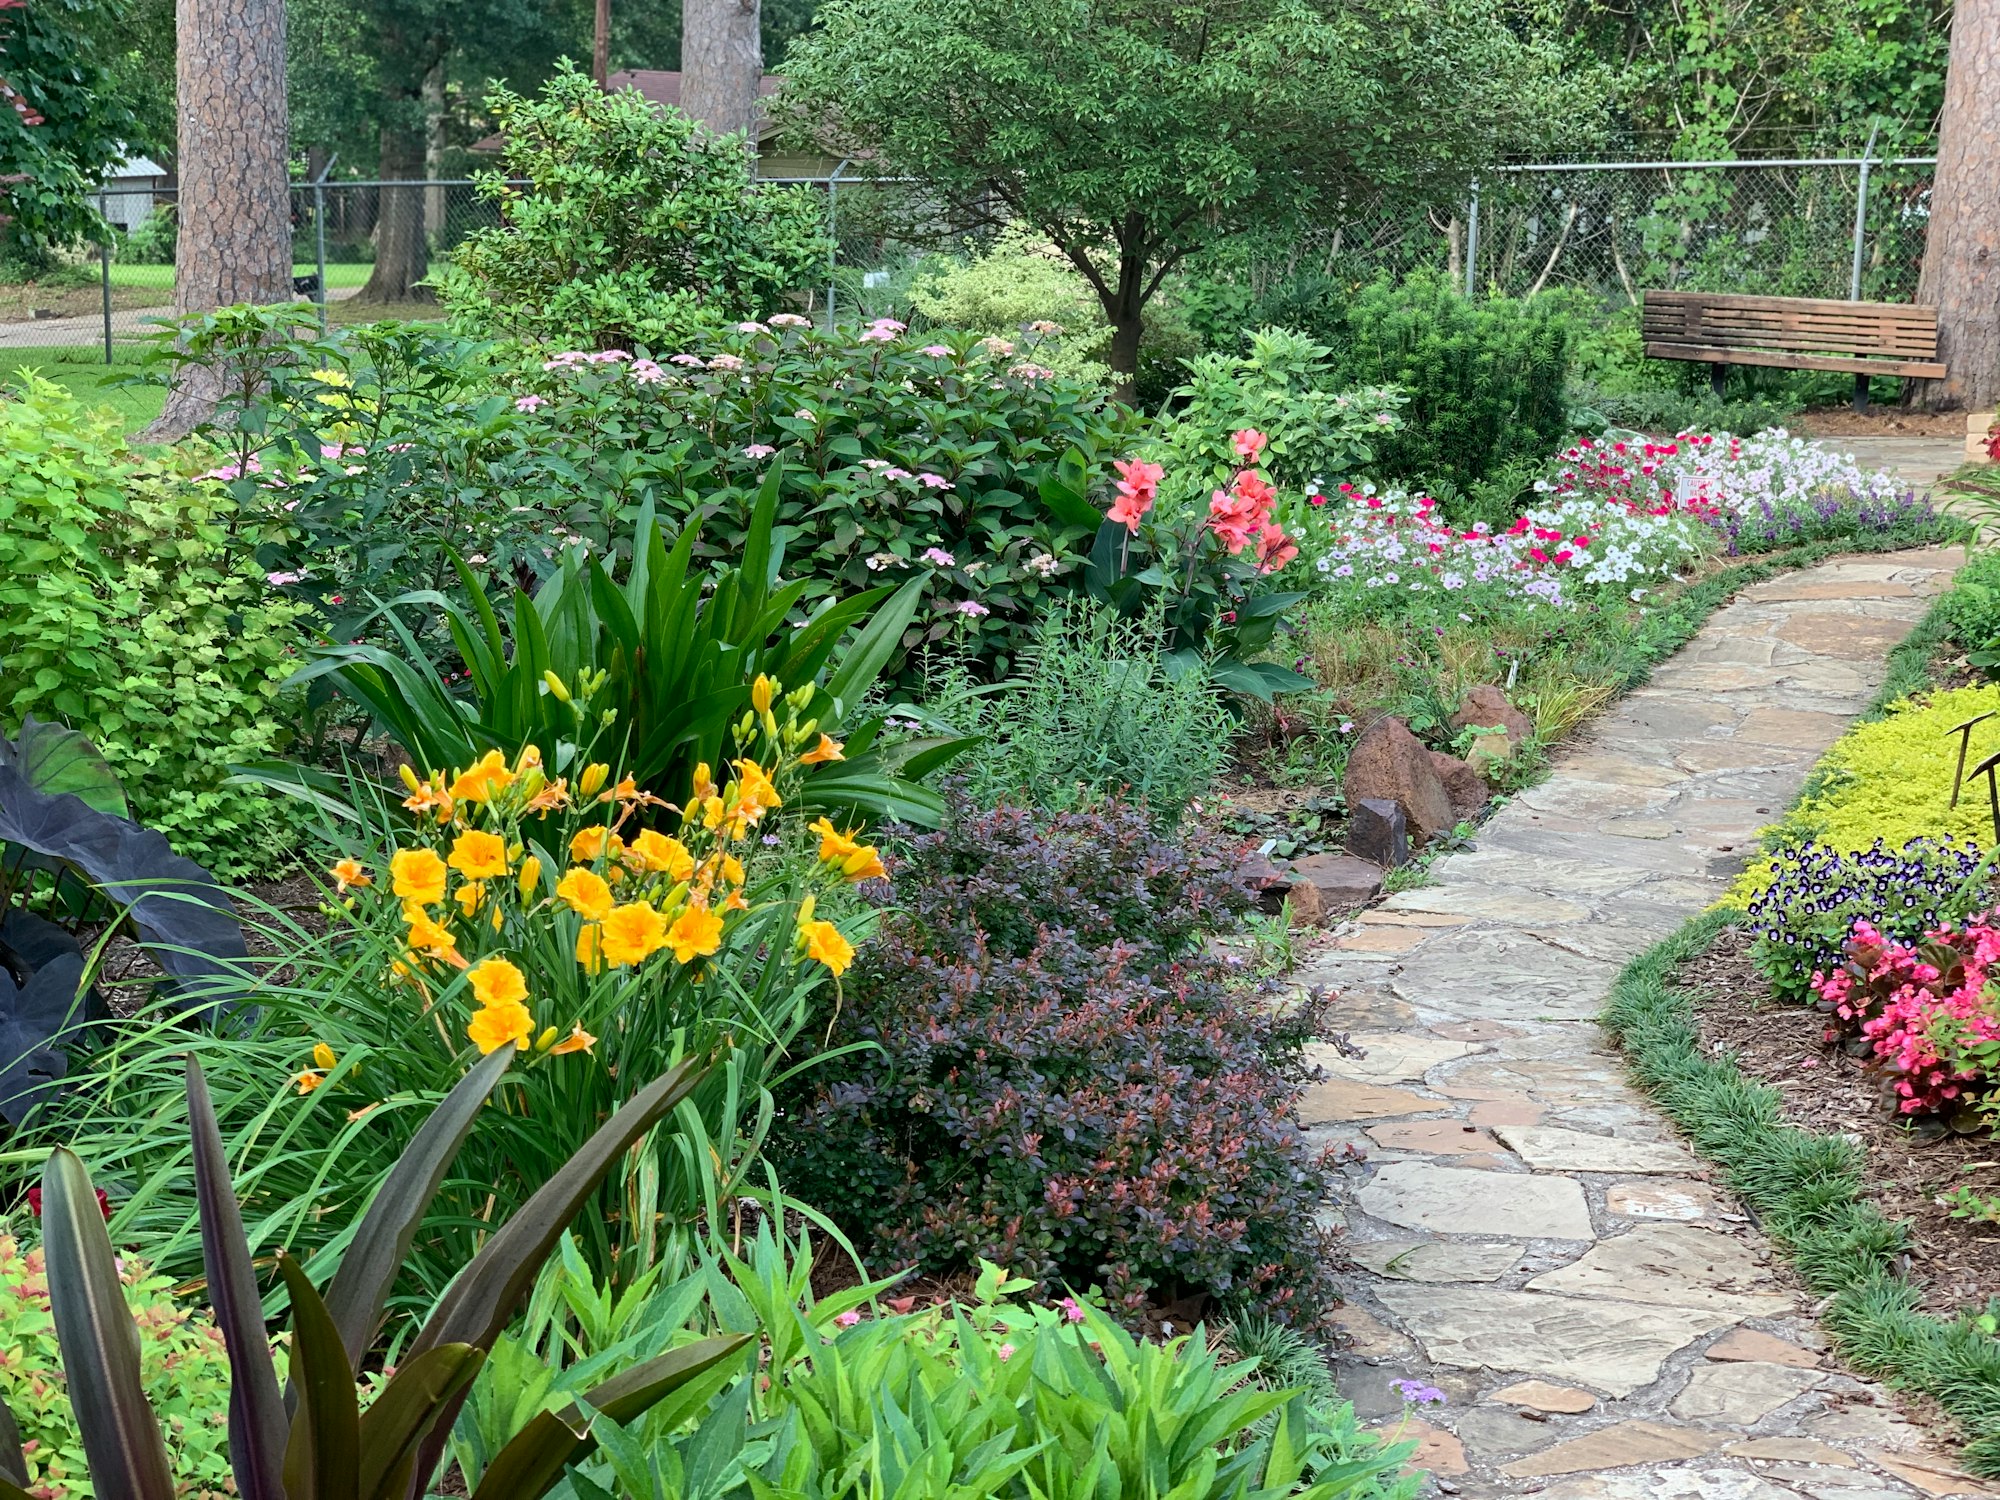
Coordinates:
[661,86]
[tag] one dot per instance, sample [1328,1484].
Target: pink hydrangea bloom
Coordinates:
[939,556]
[972,608]
[759,450]
[934,482]
[936,351]
[530,402]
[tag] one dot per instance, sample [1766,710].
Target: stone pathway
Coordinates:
[1528,1234]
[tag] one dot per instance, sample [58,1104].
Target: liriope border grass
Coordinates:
[1811,1195]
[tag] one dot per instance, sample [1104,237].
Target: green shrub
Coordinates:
[1094,713]
[182,1365]
[1970,611]
[635,229]
[131,609]
[1015,284]
[1484,378]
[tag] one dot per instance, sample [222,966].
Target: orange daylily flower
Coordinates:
[827,749]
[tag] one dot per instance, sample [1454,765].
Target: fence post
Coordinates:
[1472,243]
[104,256]
[833,236]
[1860,238]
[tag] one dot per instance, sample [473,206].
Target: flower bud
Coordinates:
[531,877]
[760,693]
[409,774]
[546,1040]
[555,686]
[593,778]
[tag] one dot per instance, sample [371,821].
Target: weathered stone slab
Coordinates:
[1788,1450]
[1390,1056]
[1539,1395]
[1614,1347]
[1341,1100]
[1673,1265]
[1436,1260]
[1433,1137]
[1617,1447]
[1749,1344]
[1741,1394]
[1660,1200]
[1679,1483]
[1446,1200]
[1548,1149]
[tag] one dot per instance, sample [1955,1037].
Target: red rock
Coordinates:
[1339,884]
[1391,764]
[1465,786]
[1486,707]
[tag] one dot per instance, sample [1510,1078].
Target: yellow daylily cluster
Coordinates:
[478,875]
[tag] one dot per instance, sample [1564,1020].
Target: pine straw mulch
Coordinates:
[1881,422]
[1955,1263]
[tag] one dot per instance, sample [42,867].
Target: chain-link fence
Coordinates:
[1817,227]
[1802,227]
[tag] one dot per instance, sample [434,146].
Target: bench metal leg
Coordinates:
[1718,380]
[1860,392]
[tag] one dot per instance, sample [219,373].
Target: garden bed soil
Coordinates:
[1955,1263]
[1881,422]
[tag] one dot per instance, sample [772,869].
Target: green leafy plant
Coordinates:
[1095,712]
[635,226]
[655,668]
[133,610]
[323,1443]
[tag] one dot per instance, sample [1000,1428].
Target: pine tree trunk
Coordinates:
[722,64]
[235,202]
[1961,275]
[402,256]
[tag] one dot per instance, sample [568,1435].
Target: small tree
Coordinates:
[639,227]
[1134,134]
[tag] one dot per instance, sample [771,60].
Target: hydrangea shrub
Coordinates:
[1056,1077]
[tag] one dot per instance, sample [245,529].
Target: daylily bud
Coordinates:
[555,687]
[530,878]
[593,778]
[801,697]
[770,724]
[760,693]
[546,1040]
[409,774]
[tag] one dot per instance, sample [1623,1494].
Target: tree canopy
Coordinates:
[1134,133]
[60,125]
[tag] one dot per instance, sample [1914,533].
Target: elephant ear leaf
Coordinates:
[55,760]
[175,906]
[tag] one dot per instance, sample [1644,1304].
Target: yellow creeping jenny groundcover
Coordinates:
[1891,780]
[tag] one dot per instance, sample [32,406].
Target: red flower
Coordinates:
[35,1202]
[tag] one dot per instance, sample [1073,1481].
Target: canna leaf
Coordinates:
[323,1458]
[405,1412]
[359,1291]
[100,1345]
[257,1420]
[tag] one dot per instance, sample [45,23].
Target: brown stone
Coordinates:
[1382,917]
[1437,1137]
[1339,1100]
[1540,1395]
[1368,1336]
[1378,832]
[1751,1347]
[1615,1447]
[1486,707]
[1381,940]
[1464,785]
[1788,1450]
[1474,1031]
[1932,1475]
[1389,764]
[1302,901]
[1520,1110]
[1438,1452]
[1340,883]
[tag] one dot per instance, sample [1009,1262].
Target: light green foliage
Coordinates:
[1144,134]
[1015,283]
[636,230]
[988,1397]
[1284,388]
[1095,712]
[181,1361]
[132,610]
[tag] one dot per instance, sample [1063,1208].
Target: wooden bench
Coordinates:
[1793,333]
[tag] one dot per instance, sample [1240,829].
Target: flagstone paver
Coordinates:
[1521,1220]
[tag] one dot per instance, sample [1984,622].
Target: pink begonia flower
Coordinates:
[939,556]
[972,608]
[934,482]
[530,402]
[684,359]
[936,351]
[849,1318]
[759,450]
[789,320]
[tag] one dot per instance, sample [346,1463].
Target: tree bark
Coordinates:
[235,201]
[1961,274]
[722,64]
[402,254]
[436,206]
[600,44]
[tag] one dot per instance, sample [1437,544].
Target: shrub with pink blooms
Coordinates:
[1926,1011]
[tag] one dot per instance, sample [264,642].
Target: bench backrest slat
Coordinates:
[1800,324]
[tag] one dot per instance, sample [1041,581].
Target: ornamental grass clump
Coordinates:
[1050,1072]
[1804,917]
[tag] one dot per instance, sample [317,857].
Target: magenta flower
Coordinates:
[1004,1353]
[1071,1310]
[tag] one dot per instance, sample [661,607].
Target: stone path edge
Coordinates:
[1660,1042]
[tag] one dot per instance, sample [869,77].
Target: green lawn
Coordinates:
[83,372]
[163,276]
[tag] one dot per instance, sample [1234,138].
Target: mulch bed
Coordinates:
[1954,1262]
[1882,422]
